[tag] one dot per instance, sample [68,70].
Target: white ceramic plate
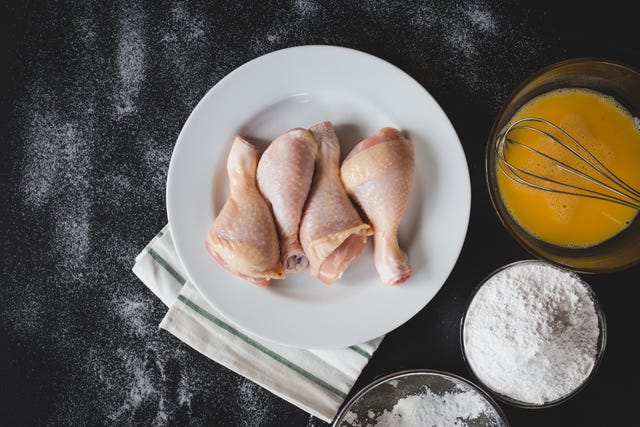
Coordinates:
[359,93]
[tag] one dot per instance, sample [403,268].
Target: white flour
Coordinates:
[131,59]
[531,333]
[427,408]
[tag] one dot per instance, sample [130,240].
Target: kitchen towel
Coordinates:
[317,381]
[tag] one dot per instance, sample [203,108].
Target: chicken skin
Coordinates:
[243,237]
[377,175]
[332,233]
[285,171]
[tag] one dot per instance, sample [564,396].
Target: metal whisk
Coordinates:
[584,165]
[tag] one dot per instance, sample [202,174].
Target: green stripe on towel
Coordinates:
[156,256]
[260,347]
[360,351]
[164,264]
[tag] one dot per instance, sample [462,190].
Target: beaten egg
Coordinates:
[608,131]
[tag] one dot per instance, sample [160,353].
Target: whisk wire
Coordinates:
[594,194]
[605,171]
[564,166]
[607,179]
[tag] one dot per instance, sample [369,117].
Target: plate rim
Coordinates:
[457,147]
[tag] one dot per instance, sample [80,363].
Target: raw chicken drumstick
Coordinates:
[285,172]
[243,236]
[377,174]
[331,232]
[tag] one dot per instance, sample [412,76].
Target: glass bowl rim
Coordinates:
[601,346]
[409,372]
[502,215]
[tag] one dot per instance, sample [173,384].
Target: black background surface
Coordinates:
[95,94]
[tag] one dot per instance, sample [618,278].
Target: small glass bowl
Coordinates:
[615,79]
[383,394]
[602,340]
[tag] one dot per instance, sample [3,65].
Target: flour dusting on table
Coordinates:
[131,58]
[103,91]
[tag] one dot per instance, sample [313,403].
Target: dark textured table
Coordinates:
[95,96]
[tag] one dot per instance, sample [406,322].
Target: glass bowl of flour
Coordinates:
[533,334]
[421,398]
